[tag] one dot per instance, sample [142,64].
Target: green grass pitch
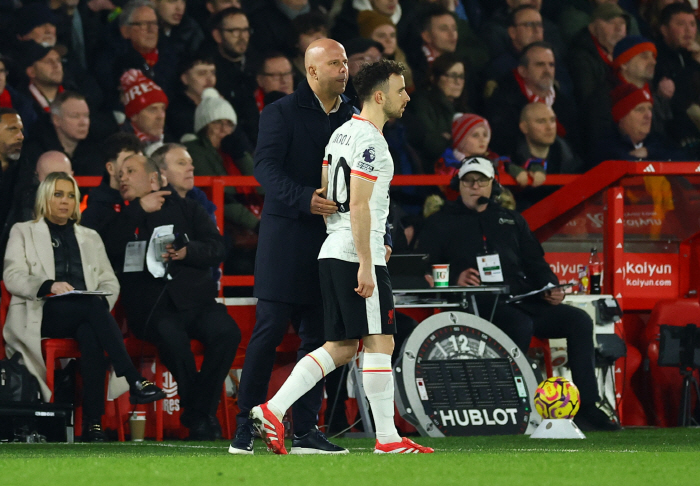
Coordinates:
[660,457]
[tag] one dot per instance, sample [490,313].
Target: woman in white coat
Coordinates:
[55,256]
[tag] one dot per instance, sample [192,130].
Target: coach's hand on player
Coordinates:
[365,282]
[321,205]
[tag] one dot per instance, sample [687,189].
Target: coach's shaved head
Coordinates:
[326,70]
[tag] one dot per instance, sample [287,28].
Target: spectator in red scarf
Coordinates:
[274,74]
[144,106]
[215,120]
[44,71]
[532,81]
[591,51]
[140,48]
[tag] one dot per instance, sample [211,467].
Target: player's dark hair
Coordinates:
[372,77]
[674,9]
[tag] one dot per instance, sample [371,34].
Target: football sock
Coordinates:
[307,372]
[379,387]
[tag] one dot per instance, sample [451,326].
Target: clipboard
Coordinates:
[549,286]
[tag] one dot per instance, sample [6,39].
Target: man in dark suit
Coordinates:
[293,134]
[169,297]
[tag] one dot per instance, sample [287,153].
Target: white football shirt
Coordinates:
[357,149]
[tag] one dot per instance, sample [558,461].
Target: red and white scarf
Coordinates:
[40,98]
[533,98]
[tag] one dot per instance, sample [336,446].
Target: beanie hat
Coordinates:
[213,107]
[139,92]
[629,47]
[464,124]
[368,20]
[626,97]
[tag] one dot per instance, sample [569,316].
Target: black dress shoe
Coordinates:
[215,427]
[592,419]
[92,432]
[242,442]
[200,429]
[143,391]
[314,442]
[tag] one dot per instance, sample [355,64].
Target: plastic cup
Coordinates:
[137,425]
[441,275]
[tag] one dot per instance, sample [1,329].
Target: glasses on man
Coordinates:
[146,24]
[279,76]
[238,31]
[470,181]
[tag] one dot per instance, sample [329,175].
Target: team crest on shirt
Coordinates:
[369,154]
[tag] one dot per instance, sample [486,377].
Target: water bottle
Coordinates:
[595,272]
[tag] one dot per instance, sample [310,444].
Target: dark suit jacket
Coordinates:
[293,134]
[191,285]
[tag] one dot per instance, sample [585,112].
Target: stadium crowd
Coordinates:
[537,87]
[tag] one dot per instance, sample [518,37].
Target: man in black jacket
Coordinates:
[294,132]
[532,81]
[474,226]
[168,293]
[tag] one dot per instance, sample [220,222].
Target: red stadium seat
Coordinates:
[664,382]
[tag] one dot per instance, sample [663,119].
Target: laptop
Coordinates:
[407,271]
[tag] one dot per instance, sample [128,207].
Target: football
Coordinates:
[557,398]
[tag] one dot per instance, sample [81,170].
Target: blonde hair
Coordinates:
[45,192]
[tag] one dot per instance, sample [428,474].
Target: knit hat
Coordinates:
[368,20]
[139,92]
[213,107]
[626,97]
[476,164]
[629,47]
[464,124]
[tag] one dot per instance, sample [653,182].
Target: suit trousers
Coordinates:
[272,322]
[88,320]
[545,321]
[170,331]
